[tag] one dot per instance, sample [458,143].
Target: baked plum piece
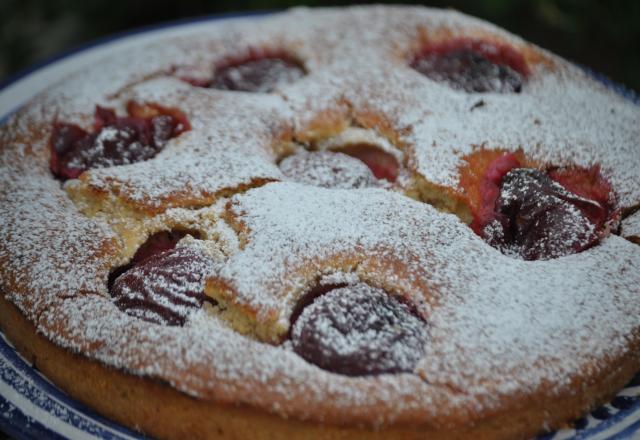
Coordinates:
[359,330]
[474,66]
[382,164]
[163,284]
[349,167]
[114,140]
[258,72]
[327,169]
[536,215]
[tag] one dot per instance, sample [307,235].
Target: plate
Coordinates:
[31,407]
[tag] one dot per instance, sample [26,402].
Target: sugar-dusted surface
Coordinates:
[543,122]
[535,325]
[445,124]
[228,146]
[208,360]
[490,317]
[49,251]
[311,229]
[525,313]
[361,66]
[500,330]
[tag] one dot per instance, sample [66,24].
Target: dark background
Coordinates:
[603,35]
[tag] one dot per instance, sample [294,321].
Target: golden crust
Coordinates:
[158,410]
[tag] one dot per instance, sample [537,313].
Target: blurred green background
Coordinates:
[603,35]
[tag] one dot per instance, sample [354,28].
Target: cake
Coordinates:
[364,222]
[631,227]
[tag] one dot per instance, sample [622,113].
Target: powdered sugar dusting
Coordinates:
[498,327]
[486,338]
[308,228]
[359,330]
[50,250]
[263,375]
[541,121]
[218,153]
[327,170]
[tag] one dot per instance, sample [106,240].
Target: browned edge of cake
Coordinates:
[157,409]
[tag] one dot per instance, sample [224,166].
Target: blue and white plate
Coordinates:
[31,407]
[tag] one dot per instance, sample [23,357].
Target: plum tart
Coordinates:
[364,222]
